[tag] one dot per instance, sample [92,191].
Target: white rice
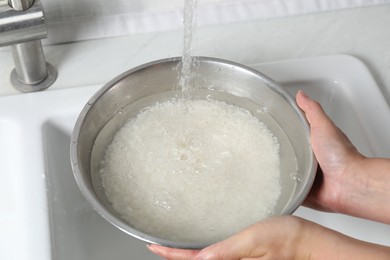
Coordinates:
[192,170]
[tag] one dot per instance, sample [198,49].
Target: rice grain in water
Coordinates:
[192,170]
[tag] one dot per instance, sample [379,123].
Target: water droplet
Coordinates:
[271,212]
[209,97]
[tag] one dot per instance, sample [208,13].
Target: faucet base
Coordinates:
[47,82]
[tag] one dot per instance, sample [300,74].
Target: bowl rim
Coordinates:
[122,225]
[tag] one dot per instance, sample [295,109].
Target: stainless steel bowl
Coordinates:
[127,94]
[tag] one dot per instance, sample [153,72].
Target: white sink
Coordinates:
[44,216]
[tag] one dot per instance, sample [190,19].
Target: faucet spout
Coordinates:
[22,26]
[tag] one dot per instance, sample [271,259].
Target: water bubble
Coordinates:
[164,200]
[143,110]
[296,177]
[209,97]
[271,212]
[262,110]
[128,175]
[100,189]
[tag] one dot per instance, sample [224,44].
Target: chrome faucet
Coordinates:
[22,26]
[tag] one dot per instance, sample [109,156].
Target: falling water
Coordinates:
[187,59]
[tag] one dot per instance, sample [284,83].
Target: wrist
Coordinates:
[319,243]
[365,189]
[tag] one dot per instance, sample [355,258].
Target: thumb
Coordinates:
[327,140]
[315,114]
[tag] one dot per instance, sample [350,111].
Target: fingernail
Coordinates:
[153,249]
[302,93]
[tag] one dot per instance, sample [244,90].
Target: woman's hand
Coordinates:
[274,238]
[335,155]
[347,182]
